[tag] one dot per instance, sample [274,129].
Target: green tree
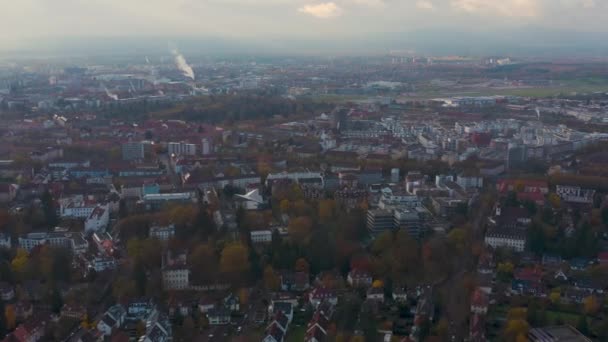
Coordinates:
[49,208]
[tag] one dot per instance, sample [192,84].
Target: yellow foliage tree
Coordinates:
[591,306]
[19,262]
[555,296]
[234,259]
[11,317]
[378,284]
[271,280]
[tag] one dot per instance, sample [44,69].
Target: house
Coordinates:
[359,278]
[528,281]
[33,329]
[7,292]
[277,327]
[477,328]
[399,295]
[479,302]
[589,285]
[232,303]
[316,331]
[274,334]
[285,307]
[98,219]
[320,294]
[76,311]
[556,334]
[163,233]
[218,316]
[113,318]
[579,264]
[375,294]
[251,200]
[205,304]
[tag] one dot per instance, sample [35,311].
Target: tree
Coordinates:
[505,270]
[591,306]
[19,261]
[583,325]
[271,280]
[11,317]
[326,209]
[139,277]
[299,229]
[49,209]
[204,264]
[555,297]
[188,328]
[123,211]
[234,259]
[555,200]
[302,265]
[3,323]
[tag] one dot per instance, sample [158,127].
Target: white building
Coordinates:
[176,277]
[261,236]
[181,149]
[76,206]
[206,144]
[31,240]
[101,264]
[98,220]
[469,181]
[163,233]
[511,238]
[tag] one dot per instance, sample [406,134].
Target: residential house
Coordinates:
[375,294]
[218,316]
[479,302]
[359,278]
[113,318]
[320,294]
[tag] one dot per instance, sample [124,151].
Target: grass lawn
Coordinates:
[566,317]
[295,334]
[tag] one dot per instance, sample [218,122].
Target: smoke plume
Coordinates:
[182,65]
[109,94]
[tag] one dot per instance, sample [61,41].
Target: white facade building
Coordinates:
[176,278]
[98,220]
[261,236]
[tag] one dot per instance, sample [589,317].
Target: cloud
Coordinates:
[323,10]
[425,5]
[370,3]
[505,8]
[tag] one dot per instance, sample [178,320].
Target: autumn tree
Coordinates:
[302,265]
[326,209]
[299,229]
[591,306]
[11,317]
[271,280]
[204,264]
[235,259]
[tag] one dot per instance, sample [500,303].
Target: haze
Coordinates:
[308,25]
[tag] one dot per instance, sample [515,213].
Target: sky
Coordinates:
[25,21]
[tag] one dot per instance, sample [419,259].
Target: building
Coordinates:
[176,277]
[181,149]
[163,233]
[31,240]
[133,150]
[511,238]
[556,334]
[359,278]
[218,316]
[100,264]
[379,221]
[5,241]
[261,236]
[408,220]
[98,220]
[575,194]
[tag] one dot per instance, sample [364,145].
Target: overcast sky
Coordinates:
[22,20]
